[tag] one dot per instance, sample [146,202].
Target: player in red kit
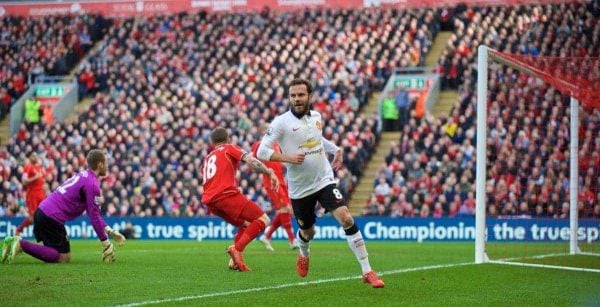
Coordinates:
[224,199]
[279,199]
[33,180]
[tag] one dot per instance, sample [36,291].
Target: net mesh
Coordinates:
[528,141]
[589,176]
[578,77]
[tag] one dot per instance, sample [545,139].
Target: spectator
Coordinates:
[32,111]
[390,114]
[402,104]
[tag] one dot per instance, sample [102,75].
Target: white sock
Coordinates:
[302,246]
[266,230]
[357,245]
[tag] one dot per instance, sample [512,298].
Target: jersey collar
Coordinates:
[299,116]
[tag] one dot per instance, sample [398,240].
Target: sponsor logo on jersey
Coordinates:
[309,144]
[313,152]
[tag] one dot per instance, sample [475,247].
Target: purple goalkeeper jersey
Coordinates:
[80,192]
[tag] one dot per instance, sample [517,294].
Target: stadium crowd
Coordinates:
[48,45]
[430,171]
[160,84]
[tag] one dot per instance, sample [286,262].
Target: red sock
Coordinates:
[286,222]
[239,234]
[274,225]
[252,231]
[25,223]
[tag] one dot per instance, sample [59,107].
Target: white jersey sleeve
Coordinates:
[330,148]
[301,135]
[271,137]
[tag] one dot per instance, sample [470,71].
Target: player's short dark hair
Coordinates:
[29,154]
[300,81]
[219,135]
[94,157]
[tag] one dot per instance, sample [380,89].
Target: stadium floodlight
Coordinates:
[539,79]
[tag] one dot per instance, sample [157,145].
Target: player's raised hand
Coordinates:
[297,158]
[338,160]
[115,235]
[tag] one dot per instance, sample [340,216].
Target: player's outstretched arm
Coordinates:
[260,167]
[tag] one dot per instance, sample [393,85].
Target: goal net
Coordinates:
[538,160]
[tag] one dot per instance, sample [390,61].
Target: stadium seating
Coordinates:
[49,45]
[432,167]
[160,84]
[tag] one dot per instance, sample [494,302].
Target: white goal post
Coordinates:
[484,56]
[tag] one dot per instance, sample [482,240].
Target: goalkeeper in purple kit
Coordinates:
[77,194]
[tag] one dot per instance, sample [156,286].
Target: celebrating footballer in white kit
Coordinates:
[299,132]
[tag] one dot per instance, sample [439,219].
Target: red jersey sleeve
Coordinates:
[254,149]
[29,171]
[235,152]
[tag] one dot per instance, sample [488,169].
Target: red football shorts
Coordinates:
[33,200]
[279,198]
[235,209]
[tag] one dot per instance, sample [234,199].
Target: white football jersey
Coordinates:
[296,135]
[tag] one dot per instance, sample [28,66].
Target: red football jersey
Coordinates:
[277,167]
[30,170]
[218,172]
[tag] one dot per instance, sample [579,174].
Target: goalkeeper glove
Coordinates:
[115,235]
[108,251]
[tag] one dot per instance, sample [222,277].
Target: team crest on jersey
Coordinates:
[97,200]
[319,125]
[300,222]
[269,131]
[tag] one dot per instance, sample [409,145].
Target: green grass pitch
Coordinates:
[196,273]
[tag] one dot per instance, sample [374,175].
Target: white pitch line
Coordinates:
[304,283]
[588,254]
[534,257]
[546,266]
[548,256]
